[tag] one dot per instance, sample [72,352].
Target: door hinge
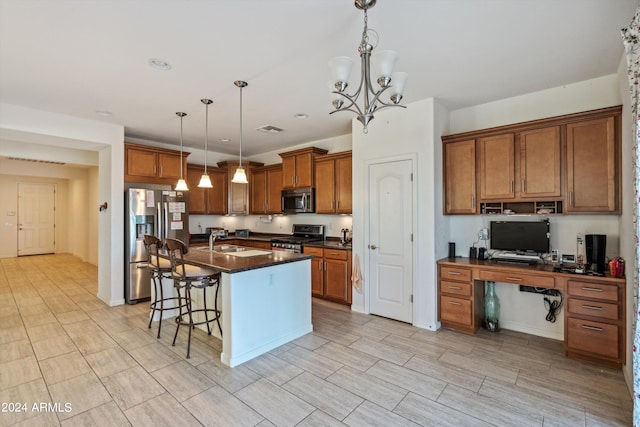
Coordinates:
[411,298]
[411,176]
[412,237]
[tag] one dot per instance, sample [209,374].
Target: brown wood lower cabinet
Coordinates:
[594,312]
[330,274]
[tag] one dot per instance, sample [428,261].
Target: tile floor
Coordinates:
[68,359]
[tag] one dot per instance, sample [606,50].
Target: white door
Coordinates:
[36,219]
[390,243]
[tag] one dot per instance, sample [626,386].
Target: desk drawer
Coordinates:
[455,310]
[592,290]
[593,337]
[454,273]
[590,308]
[457,288]
[518,278]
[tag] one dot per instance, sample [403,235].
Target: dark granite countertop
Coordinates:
[227,263]
[329,244]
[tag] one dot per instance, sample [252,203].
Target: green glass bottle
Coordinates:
[491,308]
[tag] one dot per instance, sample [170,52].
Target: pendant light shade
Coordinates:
[205,181]
[240,177]
[182,184]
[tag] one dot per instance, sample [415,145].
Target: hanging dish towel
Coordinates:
[356,275]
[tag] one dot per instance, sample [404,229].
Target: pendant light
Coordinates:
[205,181]
[182,184]
[240,177]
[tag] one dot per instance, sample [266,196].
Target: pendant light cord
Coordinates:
[206,136]
[240,126]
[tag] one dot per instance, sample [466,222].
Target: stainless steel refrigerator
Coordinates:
[162,213]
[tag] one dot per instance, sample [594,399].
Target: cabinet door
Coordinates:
[288,172]
[317,277]
[259,193]
[343,185]
[540,162]
[238,194]
[497,167]
[197,195]
[460,177]
[304,170]
[336,279]
[325,186]
[591,166]
[217,196]
[141,163]
[169,166]
[274,191]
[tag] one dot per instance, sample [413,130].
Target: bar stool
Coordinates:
[186,278]
[159,268]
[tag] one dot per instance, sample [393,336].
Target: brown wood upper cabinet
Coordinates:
[592,177]
[238,194]
[266,190]
[298,167]
[333,183]
[460,177]
[207,201]
[143,163]
[564,164]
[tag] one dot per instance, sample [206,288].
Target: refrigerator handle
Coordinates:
[165,219]
[159,227]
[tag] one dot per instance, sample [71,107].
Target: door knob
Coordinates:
[373,247]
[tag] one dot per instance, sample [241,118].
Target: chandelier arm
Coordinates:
[346,109]
[352,102]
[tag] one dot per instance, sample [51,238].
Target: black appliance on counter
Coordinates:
[299,200]
[596,245]
[302,233]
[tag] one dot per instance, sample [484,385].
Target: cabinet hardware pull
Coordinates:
[570,198]
[584,288]
[454,273]
[511,186]
[592,307]
[454,303]
[473,202]
[592,328]
[154,169]
[515,279]
[523,187]
[337,204]
[454,287]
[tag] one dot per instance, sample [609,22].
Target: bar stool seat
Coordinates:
[186,278]
[159,268]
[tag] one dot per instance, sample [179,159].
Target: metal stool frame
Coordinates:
[158,271]
[186,283]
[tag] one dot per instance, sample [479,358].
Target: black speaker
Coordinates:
[452,249]
[596,245]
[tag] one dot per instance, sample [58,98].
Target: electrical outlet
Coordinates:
[484,234]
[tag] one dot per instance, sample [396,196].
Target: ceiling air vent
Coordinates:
[269,129]
[36,161]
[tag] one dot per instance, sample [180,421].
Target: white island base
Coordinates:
[262,309]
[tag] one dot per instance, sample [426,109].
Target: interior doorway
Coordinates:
[36,218]
[390,239]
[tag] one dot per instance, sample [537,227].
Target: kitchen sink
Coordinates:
[222,248]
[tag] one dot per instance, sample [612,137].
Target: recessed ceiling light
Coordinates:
[224,140]
[159,64]
[301,116]
[104,113]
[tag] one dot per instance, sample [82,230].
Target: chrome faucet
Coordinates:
[212,241]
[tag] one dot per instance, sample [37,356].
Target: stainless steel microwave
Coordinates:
[299,200]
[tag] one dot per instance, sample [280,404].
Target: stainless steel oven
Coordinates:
[299,200]
[302,233]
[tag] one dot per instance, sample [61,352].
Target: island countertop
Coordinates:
[229,263]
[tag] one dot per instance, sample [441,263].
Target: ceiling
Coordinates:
[82,57]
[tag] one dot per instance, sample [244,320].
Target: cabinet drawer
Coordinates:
[457,288]
[312,251]
[518,278]
[604,310]
[335,254]
[453,273]
[593,337]
[592,290]
[455,310]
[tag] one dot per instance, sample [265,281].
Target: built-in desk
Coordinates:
[594,319]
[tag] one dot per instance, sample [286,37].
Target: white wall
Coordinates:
[521,311]
[628,231]
[395,133]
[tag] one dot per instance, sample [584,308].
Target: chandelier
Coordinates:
[383,63]
[240,177]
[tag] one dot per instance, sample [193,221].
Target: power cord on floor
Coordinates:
[553,307]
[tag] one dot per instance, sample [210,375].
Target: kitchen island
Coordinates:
[265,298]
